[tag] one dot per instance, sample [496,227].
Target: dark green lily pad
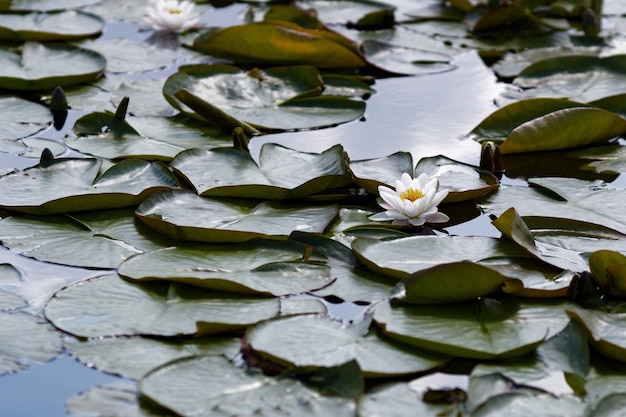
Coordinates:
[261,267]
[118,398]
[521,404]
[485,329]
[26,338]
[569,197]
[611,158]
[203,385]
[66,25]
[186,216]
[512,64]
[68,185]
[281,173]
[605,330]
[133,357]
[38,66]
[111,306]
[279,43]
[94,239]
[310,341]
[278,98]
[582,78]
[403,60]
[20,118]
[397,258]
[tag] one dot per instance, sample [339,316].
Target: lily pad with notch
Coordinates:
[56,26]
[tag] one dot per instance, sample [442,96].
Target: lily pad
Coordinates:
[186,216]
[20,118]
[521,404]
[605,331]
[260,267]
[65,25]
[93,239]
[45,5]
[569,197]
[133,357]
[38,66]
[278,98]
[397,258]
[281,173]
[279,43]
[309,341]
[68,185]
[111,306]
[485,329]
[401,60]
[26,338]
[611,158]
[201,386]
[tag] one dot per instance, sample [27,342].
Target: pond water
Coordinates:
[423,115]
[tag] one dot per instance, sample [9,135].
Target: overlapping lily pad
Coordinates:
[604,330]
[260,267]
[484,329]
[309,341]
[281,173]
[111,306]
[69,185]
[465,182]
[20,118]
[44,5]
[49,26]
[184,215]
[279,98]
[38,66]
[200,386]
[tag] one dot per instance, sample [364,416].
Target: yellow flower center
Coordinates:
[175,11]
[411,194]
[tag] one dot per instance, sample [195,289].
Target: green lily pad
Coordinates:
[605,331]
[279,43]
[133,357]
[278,98]
[38,66]
[521,404]
[260,267]
[608,269]
[402,60]
[342,11]
[464,182]
[26,338]
[93,239]
[281,173]
[605,159]
[66,25]
[186,216]
[512,64]
[118,398]
[67,185]
[485,329]
[20,118]
[397,258]
[203,385]
[582,78]
[459,281]
[309,341]
[45,5]
[569,197]
[110,306]
[9,301]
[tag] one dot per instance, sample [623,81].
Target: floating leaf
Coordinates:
[20,118]
[26,338]
[397,258]
[516,404]
[282,172]
[279,98]
[605,159]
[605,330]
[459,281]
[485,329]
[186,216]
[311,341]
[402,60]
[38,66]
[133,357]
[265,267]
[608,269]
[569,197]
[276,43]
[45,5]
[66,25]
[203,385]
[67,185]
[110,306]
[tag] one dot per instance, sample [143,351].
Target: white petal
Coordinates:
[437,218]
[417,221]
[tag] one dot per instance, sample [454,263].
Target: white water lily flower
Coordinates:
[172,15]
[414,201]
